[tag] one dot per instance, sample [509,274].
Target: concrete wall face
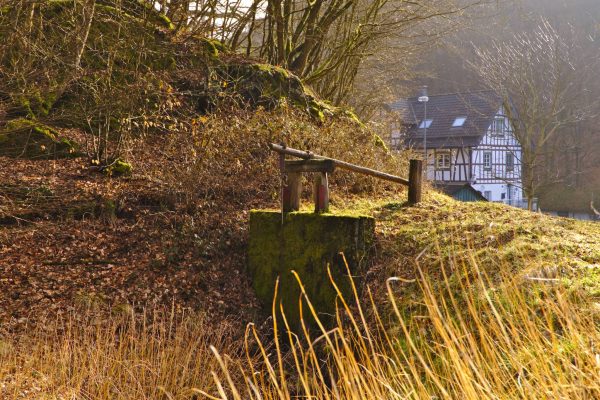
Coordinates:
[306,243]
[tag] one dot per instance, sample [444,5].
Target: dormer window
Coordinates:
[498,126]
[458,122]
[426,123]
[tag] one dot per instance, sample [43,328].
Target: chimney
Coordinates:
[422,92]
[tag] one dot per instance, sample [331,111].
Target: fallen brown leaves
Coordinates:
[71,239]
[173,234]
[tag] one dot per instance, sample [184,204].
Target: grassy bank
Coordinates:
[466,301]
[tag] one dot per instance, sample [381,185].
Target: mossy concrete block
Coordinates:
[307,243]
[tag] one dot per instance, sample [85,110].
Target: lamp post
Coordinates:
[423,98]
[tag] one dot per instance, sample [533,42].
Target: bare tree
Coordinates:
[540,77]
[323,42]
[81,64]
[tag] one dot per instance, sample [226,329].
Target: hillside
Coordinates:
[503,240]
[86,246]
[131,155]
[126,175]
[73,239]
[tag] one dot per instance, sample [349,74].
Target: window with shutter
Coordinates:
[487,161]
[510,162]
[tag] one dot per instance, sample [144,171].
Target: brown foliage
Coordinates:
[224,157]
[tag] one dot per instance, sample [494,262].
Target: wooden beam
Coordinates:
[339,164]
[291,152]
[314,165]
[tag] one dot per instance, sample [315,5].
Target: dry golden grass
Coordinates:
[113,358]
[484,316]
[463,338]
[467,339]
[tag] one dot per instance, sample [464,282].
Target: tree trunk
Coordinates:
[86,33]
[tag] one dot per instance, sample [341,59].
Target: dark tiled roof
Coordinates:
[479,108]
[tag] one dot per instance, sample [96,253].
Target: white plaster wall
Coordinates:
[498,147]
[497,189]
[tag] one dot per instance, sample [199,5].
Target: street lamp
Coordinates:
[423,98]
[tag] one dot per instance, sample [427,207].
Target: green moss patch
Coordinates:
[495,240]
[262,84]
[35,104]
[271,86]
[212,46]
[131,56]
[31,139]
[128,38]
[306,243]
[118,168]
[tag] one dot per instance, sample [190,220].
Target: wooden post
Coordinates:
[415,181]
[321,192]
[292,188]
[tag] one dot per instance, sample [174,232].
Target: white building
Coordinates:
[469,141]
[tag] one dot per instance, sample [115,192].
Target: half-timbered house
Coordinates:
[469,140]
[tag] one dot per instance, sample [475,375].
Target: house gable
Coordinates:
[497,157]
